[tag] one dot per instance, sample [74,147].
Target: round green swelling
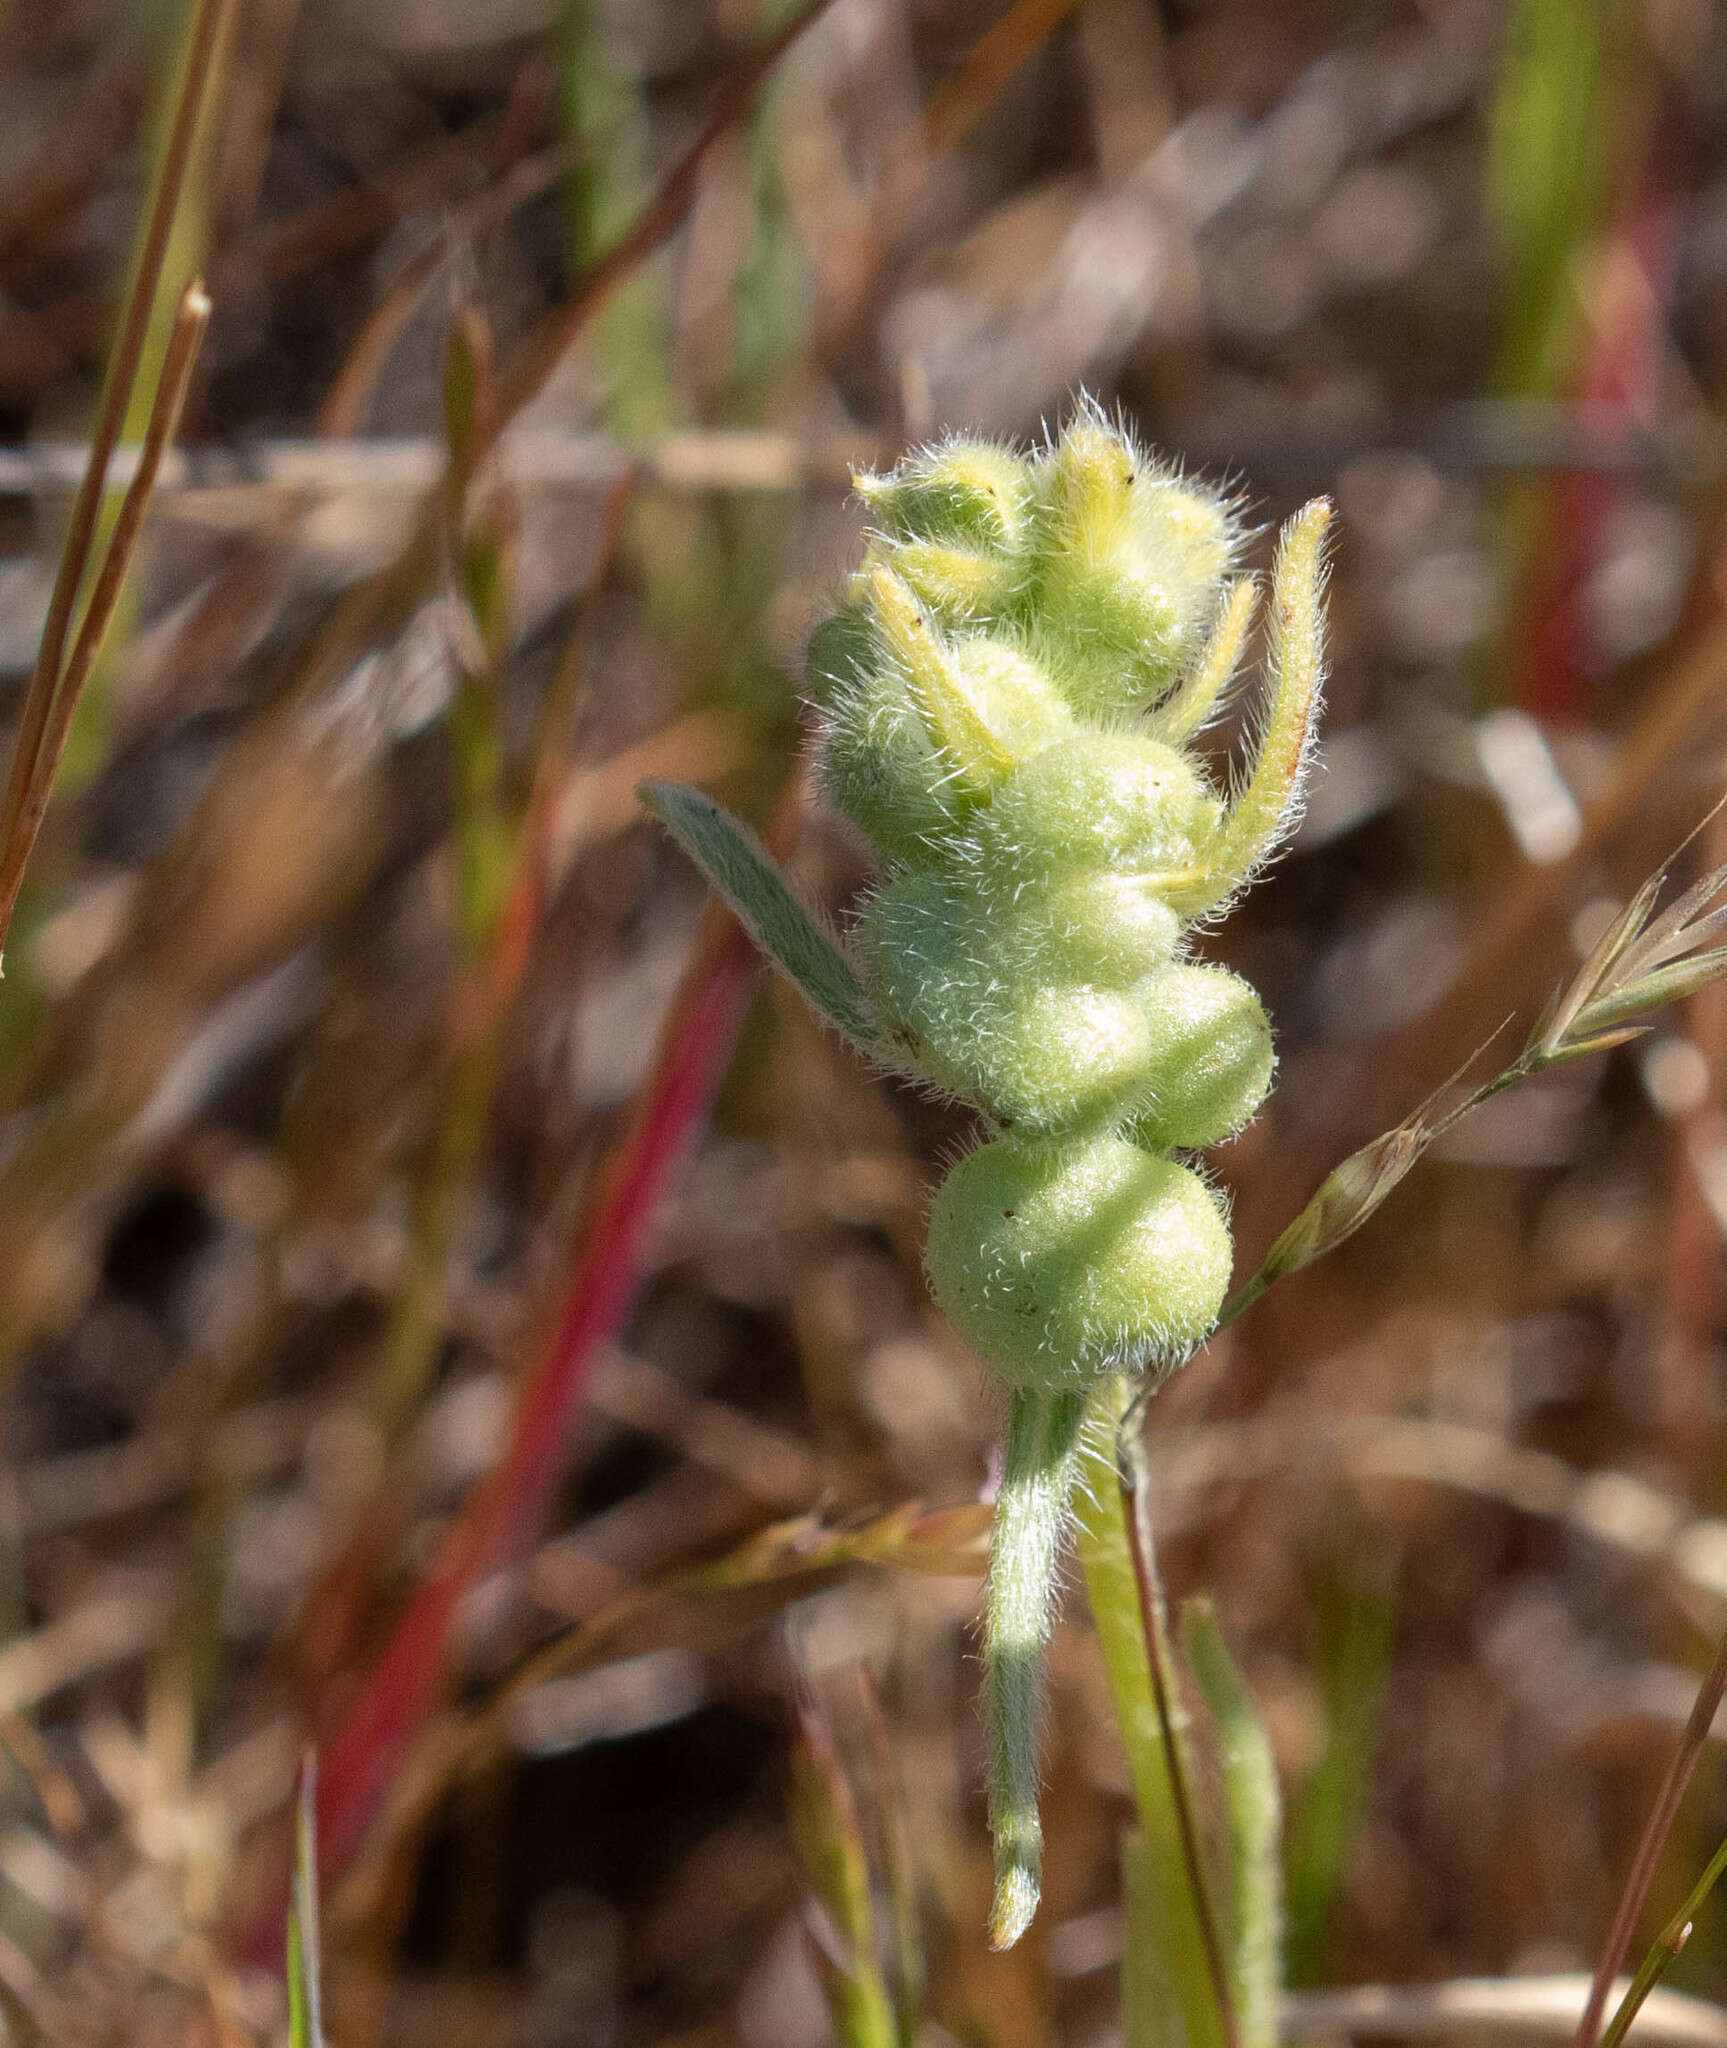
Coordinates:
[1062,1264]
[1095,926]
[842,655]
[885,772]
[1047,1059]
[992,990]
[1110,801]
[938,945]
[1209,1057]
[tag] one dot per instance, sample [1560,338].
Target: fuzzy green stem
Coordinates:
[1025,1549]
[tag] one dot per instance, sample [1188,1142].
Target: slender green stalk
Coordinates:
[1168,1885]
[1664,1950]
[1253,1812]
[1355,1621]
[906,1974]
[305,1939]
[826,1824]
[1031,1510]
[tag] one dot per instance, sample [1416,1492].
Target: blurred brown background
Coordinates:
[345,957]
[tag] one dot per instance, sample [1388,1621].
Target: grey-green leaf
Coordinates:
[732,858]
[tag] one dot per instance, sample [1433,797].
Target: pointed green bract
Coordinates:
[1207,685]
[731,857]
[1270,801]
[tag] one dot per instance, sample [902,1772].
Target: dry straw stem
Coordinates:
[53,698]
[244,483]
[35,756]
[1641,1876]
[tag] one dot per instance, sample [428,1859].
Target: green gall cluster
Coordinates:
[1007,698]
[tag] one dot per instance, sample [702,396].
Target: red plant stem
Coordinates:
[1660,1825]
[409,1679]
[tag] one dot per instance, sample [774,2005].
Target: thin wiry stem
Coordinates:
[1664,1951]
[1645,1863]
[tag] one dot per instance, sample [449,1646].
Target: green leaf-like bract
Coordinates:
[732,858]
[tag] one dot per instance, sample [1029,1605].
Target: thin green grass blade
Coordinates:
[1167,1992]
[1152,2005]
[1253,1812]
[830,1836]
[731,857]
[305,1957]
[1355,1624]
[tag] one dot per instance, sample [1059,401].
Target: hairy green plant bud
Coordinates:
[969,492]
[914,729]
[1127,566]
[1007,708]
[1007,698]
[1062,1264]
